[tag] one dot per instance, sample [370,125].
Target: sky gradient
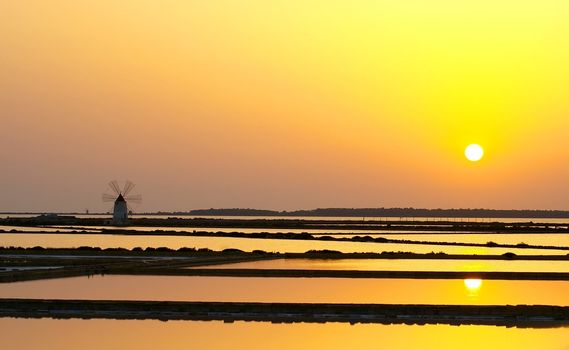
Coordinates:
[284,104]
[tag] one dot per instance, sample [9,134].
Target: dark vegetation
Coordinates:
[503,315]
[41,263]
[307,236]
[65,222]
[307,273]
[311,254]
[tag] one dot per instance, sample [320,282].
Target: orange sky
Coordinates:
[284,104]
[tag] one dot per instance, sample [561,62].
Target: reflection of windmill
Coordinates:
[122,198]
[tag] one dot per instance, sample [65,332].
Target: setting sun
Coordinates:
[474,152]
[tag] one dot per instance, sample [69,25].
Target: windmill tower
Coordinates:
[121,199]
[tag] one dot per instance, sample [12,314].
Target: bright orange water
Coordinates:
[402,265]
[50,334]
[316,290]
[72,240]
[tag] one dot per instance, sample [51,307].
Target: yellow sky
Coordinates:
[284,104]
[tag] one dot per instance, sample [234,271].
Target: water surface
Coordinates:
[74,240]
[35,229]
[294,290]
[48,334]
[402,265]
[545,239]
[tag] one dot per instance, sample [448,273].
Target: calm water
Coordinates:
[402,265]
[546,239]
[316,290]
[344,233]
[436,236]
[48,334]
[246,230]
[72,240]
[35,229]
[559,239]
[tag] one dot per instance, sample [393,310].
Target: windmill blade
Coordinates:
[128,186]
[108,197]
[131,204]
[114,185]
[133,198]
[129,208]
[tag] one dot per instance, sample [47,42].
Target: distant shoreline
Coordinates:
[356,212]
[389,213]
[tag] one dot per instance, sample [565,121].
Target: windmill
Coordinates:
[121,199]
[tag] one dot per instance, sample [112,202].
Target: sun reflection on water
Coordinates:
[473,286]
[473,283]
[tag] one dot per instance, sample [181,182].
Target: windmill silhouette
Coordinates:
[122,199]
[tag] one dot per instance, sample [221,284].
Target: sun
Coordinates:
[474,152]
